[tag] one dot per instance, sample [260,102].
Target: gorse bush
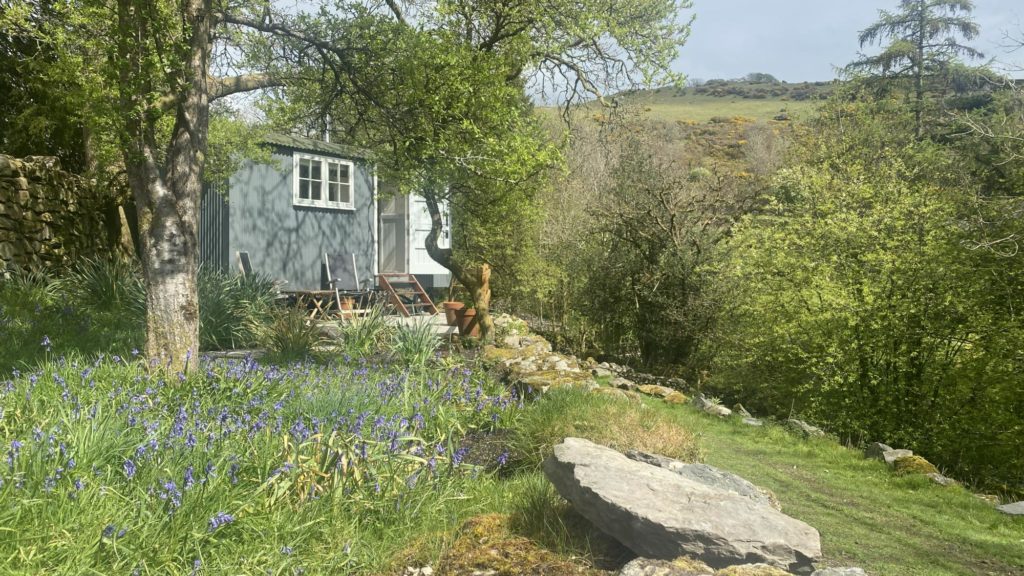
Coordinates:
[111,468]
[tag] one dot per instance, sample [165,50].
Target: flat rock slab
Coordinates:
[707,475]
[660,514]
[1015,509]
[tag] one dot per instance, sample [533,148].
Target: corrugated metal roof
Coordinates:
[318,146]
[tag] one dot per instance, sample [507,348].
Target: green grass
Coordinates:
[322,468]
[867,516]
[702,108]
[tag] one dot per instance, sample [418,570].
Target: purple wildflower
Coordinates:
[220,519]
[129,469]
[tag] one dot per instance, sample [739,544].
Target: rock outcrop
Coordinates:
[660,514]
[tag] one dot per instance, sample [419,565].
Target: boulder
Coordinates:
[676,398]
[709,476]
[616,393]
[544,380]
[941,480]
[599,372]
[718,410]
[913,465]
[891,456]
[840,572]
[655,390]
[661,514]
[753,422]
[678,567]
[739,409]
[1014,509]
[989,498]
[804,428]
[875,450]
[623,383]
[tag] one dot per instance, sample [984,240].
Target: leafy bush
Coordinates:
[854,299]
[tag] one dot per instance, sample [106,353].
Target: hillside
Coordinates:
[719,98]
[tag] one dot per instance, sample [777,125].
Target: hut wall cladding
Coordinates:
[49,217]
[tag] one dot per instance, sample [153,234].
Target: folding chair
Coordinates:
[343,277]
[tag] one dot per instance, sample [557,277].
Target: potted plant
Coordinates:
[451,309]
[347,303]
[466,321]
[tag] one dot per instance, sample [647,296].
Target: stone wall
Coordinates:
[48,217]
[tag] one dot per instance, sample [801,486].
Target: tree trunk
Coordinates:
[167,197]
[477,279]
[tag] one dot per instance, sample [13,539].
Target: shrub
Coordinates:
[416,343]
[107,285]
[366,334]
[232,307]
[288,335]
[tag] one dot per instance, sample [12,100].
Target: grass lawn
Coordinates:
[867,516]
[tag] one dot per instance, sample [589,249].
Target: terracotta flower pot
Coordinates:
[451,311]
[347,303]
[467,323]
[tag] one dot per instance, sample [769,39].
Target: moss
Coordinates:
[692,565]
[752,570]
[676,398]
[485,545]
[655,390]
[914,465]
[549,379]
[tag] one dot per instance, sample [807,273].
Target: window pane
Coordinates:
[314,189]
[304,167]
[344,173]
[346,193]
[332,171]
[332,191]
[316,169]
[304,189]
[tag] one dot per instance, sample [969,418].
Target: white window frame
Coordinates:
[324,202]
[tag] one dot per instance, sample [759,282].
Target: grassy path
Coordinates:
[867,517]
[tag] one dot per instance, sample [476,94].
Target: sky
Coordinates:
[797,40]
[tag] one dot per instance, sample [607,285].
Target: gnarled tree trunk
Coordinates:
[476,279]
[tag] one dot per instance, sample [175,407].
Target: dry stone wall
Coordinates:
[48,216]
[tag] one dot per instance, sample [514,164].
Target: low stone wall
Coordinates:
[49,217]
